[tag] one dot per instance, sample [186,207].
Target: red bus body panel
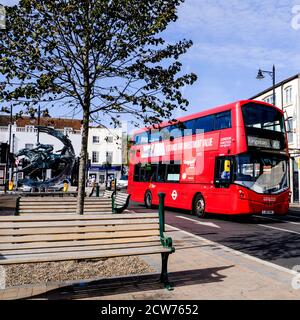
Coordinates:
[227,142]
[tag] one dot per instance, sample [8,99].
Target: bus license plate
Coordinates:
[267,212]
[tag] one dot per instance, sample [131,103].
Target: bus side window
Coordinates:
[136,176]
[205,124]
[223,120]
[173,172]
[151,175]
[161,173]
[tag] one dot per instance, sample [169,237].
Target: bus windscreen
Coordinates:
[263,117]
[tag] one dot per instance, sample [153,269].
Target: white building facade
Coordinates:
[26,137]
[287,98]
[105,154]
[104,145]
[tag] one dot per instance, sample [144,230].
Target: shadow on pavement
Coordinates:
[131,284]
[271,246]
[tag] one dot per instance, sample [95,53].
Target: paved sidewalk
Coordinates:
[200,269]
[294,207]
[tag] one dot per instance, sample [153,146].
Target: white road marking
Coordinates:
[208,224]
[238,253]
[274,219]
[280,229]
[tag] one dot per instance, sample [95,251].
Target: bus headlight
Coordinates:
[242,194]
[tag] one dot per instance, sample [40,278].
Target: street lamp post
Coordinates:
[10,146]
[106,164]
[8,170]
[38,128]
[106,171]
[272,74]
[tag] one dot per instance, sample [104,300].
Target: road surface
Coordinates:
[270,238]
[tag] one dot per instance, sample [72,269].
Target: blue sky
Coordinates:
[232,39]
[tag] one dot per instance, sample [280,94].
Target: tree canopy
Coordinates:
[105,56]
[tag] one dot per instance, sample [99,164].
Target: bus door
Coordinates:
[223,180]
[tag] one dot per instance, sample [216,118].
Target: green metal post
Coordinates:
[113,202]
[97,190]
[161,211]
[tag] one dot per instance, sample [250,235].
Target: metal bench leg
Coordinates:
[164,271]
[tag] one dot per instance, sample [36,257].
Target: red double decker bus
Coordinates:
[231,159]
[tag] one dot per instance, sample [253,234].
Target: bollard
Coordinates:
[66,186]
[10,185]
[97,190]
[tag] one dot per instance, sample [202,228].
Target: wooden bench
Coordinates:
[120,200]
[108,193]
[57,205]
[50,194]
[38,238]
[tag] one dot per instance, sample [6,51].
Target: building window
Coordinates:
[110,139]
[30,128]
[288,95]
[95,157]
[109,157]
[29,146]
[96,139]
[101,178]
[68,130]
[269,99]
[290,128]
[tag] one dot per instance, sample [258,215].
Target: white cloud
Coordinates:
[246,20]
[241,56]
[248,33]
[9,2]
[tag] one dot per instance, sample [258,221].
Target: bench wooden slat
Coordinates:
[122,195]
[57,199]
[58,210]
[57,214]
[74,236]
[104,200]
[81,248]
[86,209]
[68,204]
[40,224]
[80,255]
[63,230]
[82,242]
[77,217]
[64,206]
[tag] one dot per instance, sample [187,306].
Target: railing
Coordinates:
[24,129]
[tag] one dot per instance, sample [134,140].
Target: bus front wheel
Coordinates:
[148,200]
[199,206]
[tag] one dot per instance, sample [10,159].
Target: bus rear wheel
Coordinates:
[148,200]
[199,206]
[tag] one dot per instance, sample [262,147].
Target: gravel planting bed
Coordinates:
[74,270]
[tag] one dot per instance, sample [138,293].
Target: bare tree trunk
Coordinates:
[83,163]
[86,118]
